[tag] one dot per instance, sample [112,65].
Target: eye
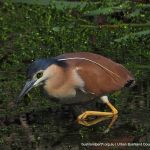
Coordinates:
[39,75]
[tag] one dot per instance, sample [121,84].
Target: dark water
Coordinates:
[59,130]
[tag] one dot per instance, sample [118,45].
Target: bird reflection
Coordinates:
[98,120]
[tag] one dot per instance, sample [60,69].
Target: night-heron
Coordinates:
[75,78]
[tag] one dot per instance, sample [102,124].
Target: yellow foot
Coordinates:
[98,120]
[93,121]
[94,113]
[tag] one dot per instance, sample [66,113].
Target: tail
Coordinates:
[130,83]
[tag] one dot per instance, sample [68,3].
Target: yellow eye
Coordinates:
[39,75]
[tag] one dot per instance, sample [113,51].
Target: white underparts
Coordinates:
[78,68]
[78,81]
[105,99]
[83,90]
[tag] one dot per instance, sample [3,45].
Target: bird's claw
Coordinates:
[83,116]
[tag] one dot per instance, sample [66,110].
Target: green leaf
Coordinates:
[56,29]
[60,5]
[108,10]
[134,13]
[137,34]
[140,66]
[143,6]
[102,11]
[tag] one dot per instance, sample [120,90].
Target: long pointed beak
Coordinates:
[28,86]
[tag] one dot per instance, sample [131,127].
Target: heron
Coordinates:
[78,78]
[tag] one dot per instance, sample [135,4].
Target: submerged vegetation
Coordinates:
[32,29]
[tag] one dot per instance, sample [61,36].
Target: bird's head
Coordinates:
[38,73]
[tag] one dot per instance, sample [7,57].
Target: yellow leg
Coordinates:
[105,100]
[97,113]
